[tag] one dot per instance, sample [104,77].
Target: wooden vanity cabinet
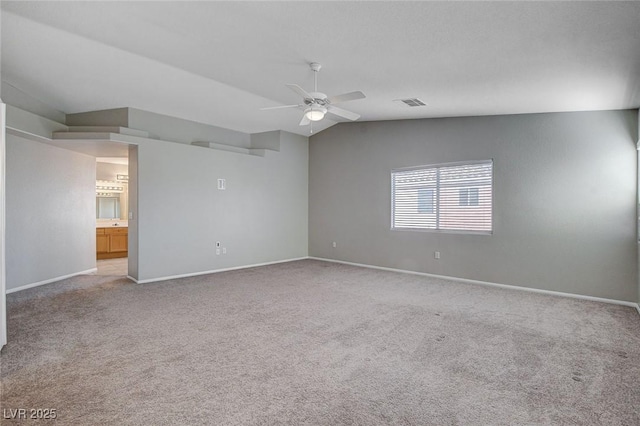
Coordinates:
[102,242]
[112,243]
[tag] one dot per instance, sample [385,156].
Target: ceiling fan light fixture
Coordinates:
[315,113]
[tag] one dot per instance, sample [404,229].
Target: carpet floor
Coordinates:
[317,343]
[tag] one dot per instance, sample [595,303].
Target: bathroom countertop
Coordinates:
[112,224]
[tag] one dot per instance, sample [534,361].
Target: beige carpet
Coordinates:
[310,342]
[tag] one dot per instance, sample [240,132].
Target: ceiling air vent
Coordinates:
[412,102]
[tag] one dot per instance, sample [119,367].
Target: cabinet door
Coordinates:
[119,243]
[102,243]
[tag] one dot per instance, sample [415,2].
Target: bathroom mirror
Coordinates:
[107,208]
[111,200]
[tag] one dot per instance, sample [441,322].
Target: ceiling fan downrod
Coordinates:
[315,67]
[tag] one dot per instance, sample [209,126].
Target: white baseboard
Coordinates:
[39,283]
[486,283]
[638,307]
[213,271]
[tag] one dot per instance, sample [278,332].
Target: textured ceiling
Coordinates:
[220,62]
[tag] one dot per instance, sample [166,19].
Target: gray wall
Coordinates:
[564,199]
[179,214]
[262,216]
[50,212]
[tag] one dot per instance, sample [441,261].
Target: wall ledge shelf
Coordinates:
[230,148]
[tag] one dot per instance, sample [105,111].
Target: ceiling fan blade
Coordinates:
[299,90]
[280,107]
[304,120]
[343,113]
[351,96]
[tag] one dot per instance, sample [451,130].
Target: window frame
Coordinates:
[437,166]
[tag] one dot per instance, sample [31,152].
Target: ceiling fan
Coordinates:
[316,104]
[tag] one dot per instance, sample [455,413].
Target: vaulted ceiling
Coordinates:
[220,62]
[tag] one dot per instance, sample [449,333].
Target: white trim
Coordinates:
[486,283]
[213,271]
[638,307]
[39,283]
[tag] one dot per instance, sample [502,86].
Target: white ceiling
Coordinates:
[220,62]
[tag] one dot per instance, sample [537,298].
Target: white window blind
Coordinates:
[446,197]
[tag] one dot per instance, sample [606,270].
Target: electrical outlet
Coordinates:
[436,255]
[217,252]
[224,250]
[222,184]
[334,244]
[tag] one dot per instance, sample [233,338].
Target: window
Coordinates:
[425,201]
[468,197]
[443,197]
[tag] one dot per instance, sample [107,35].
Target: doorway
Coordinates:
[112,210]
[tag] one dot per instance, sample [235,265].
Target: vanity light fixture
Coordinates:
[108,186]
